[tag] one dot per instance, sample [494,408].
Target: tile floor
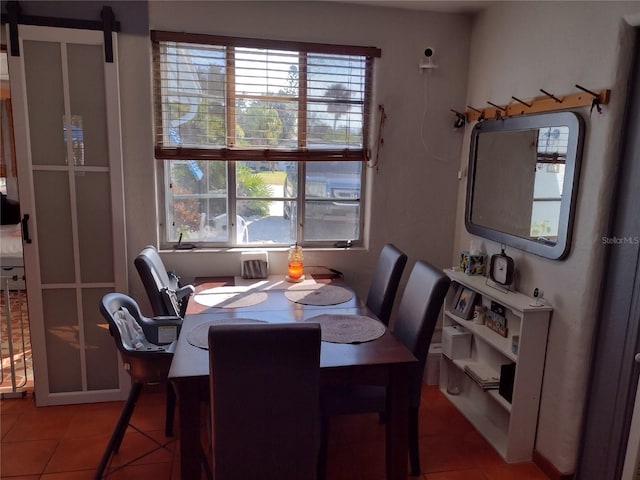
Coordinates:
[66,443]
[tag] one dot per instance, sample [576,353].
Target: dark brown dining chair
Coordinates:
[166,295]
[385,281]
[146,354]
[264,400]
[418,313]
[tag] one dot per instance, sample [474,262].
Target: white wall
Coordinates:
[516,49]
[414,195]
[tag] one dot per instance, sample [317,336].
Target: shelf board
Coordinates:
[492,392]
[514,300]
[500,399]
[502,344]
[461,362]
[494,434]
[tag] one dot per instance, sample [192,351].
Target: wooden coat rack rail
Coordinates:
[547,102]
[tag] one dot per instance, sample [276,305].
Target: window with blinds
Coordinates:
[230,98]
[262,142]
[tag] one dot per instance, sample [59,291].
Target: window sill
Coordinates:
[237,250]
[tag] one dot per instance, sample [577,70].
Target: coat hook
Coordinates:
[461,119]
[588,91]
[522,102]
[497,106]
[481,115]
[551,96]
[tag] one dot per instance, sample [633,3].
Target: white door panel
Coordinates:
[68,149]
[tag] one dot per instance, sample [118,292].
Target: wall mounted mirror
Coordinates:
[523,180]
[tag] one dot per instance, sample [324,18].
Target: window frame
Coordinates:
[231,154]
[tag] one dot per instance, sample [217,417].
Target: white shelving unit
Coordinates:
[509,427]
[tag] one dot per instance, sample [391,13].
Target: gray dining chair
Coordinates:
[385,281]
[418,313]
[264,400]
[166,295]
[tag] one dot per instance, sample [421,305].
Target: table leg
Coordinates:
[397,431]
[189,428]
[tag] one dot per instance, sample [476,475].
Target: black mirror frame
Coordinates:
[559,249]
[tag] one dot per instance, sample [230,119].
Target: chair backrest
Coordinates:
[264,397]
[418,313]
[157,282]
[150,362]
[385,281]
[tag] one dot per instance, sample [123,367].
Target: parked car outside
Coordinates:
[332,208]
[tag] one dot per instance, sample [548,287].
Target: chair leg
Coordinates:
[171,409]
[382,418]
[414,450]
[118,433]
[323,451]
[205,465]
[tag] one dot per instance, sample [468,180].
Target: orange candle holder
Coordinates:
[295,266]
[295,270]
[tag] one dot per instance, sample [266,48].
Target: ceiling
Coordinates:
[444,6]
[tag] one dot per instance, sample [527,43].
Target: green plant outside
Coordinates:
[252,185]
[541,228]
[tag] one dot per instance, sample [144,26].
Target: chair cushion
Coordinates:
[131,333]
[155,278]
[385,281]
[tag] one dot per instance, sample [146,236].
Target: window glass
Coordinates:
[332,201]
[196,201]
[261,146]
[549,182]
[336,96]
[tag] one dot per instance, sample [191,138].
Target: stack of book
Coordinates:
[483,375]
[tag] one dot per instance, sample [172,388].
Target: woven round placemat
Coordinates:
[348,328]
[318,294]
[199,335]
[229,297]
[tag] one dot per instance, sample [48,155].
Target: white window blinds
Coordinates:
[222,98]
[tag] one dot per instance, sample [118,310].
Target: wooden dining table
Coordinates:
[383,359]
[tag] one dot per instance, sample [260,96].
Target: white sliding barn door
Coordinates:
[68,148]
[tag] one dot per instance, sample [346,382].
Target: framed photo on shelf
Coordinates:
[464,301]
[496,319]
